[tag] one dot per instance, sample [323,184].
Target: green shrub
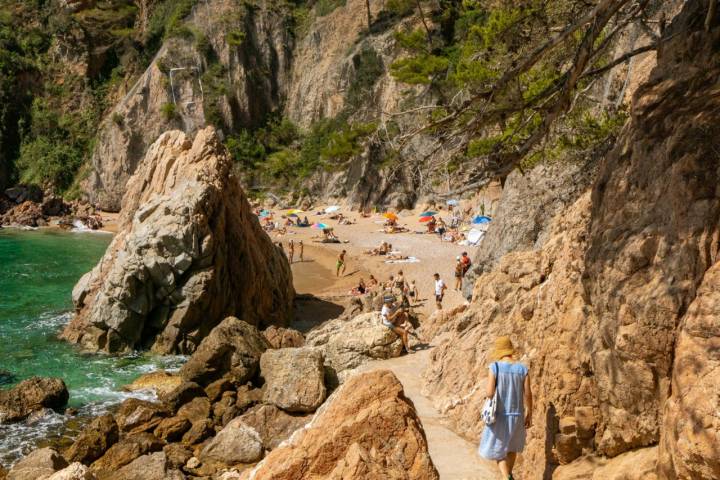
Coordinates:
[235,38]
[326,7]
[368,69]
[169,111]
[48,163]
[118,119]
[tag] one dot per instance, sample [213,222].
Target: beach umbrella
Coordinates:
[428,214]
[390,216]
[332,208]
[425,219]
[294,211]
[264,213]
[452,202]
[293,215]
[481,219]
[320,226]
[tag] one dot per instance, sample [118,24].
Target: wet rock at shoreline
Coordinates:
[367,429]
[135,415]
[124,452]
[181,394]
[161,382]
[30,395]
[189,253]
[294,378]
[74,471]
[232,349]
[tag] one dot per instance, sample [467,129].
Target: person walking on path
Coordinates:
[440,288]
[466,263]
[302,250]
[459,273]
[340,264]
[509,382]
[291,250]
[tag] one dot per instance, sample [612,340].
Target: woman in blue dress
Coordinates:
[505,438]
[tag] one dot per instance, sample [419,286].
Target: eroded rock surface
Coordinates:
[367,429]
[190,252]
[294,378]
[33,394]
[348,343]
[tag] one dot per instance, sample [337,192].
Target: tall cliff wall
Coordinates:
[613,312]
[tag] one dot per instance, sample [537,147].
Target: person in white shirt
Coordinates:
[393,322]
[440,288]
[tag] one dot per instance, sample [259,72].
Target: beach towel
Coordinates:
[407,260]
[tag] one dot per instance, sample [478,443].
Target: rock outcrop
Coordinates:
[38,465]
[236,443]
[190,252]
[616,313]
[36,393]
[367,429]
[348,343]
[100,434]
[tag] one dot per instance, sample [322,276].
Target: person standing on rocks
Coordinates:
[509,382]
[291,250]
[340,264]
[440,288]
[459,273]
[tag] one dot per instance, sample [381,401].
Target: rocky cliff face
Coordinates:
[230,71]
[189,253]
[612,313]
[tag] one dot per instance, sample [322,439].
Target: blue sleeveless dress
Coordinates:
[507,434]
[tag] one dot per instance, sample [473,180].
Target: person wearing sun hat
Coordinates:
[509,381]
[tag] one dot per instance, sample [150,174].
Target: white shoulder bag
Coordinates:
[488,411]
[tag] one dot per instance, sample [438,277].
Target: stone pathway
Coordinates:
[454,457]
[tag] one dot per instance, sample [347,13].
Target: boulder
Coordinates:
[177,455]
[38,465]
[366,429]
[280,337]
[135,415]
[248,396]
[347,344]
[234,444]
[181,394]
[232,349]
[100,434]
[294,378]
[189,252]
[149,467]
[172,429]
[33,394]
[124,452]
[199,431]
[272,424]
[53,206]
[75,471]
[161,382]
[199,408]
[27,214]
[217,388]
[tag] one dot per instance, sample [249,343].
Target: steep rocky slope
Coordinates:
[613,312]
[229,69]
[189,253]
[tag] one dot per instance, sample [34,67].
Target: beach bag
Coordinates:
[488,411]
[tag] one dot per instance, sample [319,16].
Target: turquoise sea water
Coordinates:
[38,270]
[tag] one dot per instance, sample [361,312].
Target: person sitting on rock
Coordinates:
[393,321]
[372,282]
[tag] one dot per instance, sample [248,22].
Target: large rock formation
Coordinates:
[180,89]
[190,252]
[615,314]
[367,429]
[294,379]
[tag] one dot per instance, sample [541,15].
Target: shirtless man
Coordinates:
[291,250]
[340,264]
[302,250]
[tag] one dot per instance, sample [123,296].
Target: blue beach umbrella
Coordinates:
[427,214]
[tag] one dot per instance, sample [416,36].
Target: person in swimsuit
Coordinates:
[340,264]
[393,322]
[509,382]
[413,292]
[291,250]
[399,282]
[302,250]
[459,272]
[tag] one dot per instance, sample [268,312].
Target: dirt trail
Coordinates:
[454,457]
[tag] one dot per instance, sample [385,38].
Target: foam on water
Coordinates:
[37,273]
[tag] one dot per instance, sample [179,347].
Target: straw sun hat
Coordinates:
[503,348]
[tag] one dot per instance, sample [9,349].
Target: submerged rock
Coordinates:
[189,253]
[36,393]
[367,429]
